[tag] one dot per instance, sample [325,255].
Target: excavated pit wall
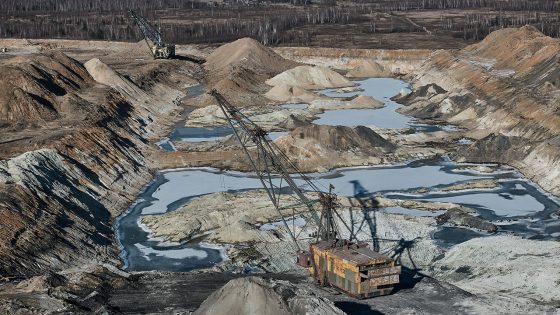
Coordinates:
[510,106]
[398,62]
[58,200]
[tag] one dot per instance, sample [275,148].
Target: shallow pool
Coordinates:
[516,204]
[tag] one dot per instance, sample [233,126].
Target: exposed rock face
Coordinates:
[310,78]
[58,200]
[253,295]
[42,88]
[540,160]
[83,291]
[506,85]
[396,61]
[495,147]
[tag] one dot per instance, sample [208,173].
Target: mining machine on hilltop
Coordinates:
[350,266]
[152,36]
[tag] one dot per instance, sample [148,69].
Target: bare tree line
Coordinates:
[189,21]
[504,5]
[478,26]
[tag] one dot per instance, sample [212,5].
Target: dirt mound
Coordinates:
[291,94]
[239,69]
[254,295]
[321,147]
[105,75]
[311,78]
[342,138]
[366,101]
[367,69]
[516,48]
[247,53]
[360,101]
[494,148]
[41,88]
[422,92]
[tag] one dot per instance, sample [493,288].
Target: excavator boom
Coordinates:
[153,38]
[350,266]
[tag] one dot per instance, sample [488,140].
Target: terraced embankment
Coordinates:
[73,157]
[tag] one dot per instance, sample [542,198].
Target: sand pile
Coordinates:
[105,75]
[41,88]
[360,101]
[311,78]
[239,69]
[291,94]
[520,49]
[366,69]
[254,295]
[524,268]
[249,54]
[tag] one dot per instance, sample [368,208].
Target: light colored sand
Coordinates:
[309,77]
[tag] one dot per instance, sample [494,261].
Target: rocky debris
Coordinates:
[254,295]
[58,200]
[77,291]
[366,69]
[310,78]
[496,266]
[36,89]
[459,217]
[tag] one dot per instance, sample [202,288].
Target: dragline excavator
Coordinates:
[152,36]
[350,266]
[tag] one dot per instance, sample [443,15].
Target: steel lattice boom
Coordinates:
[269,163]
[159,49]
[351,266]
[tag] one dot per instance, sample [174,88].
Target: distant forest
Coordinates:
[277,22]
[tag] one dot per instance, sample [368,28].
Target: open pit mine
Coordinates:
[245,179]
